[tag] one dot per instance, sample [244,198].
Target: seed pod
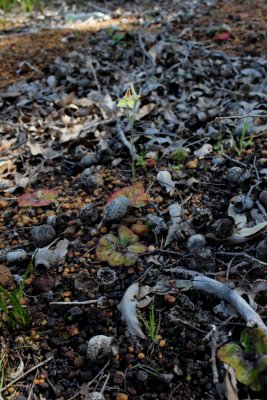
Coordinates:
[116,209]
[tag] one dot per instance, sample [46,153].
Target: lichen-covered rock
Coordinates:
[43,235]
[116,209]
[99,347]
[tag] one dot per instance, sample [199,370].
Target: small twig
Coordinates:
[26,373]
[125,141]
[237,117]
[145,53]
[234,161]
[98,301]
[240,254]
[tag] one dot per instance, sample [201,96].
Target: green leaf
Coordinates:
[138,248]
[126,236]
[106,245]
[130,259]
[233,355]
[254,340]
[116,259]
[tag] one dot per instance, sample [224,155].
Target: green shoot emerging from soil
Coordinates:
[241,144]
[12,312]
[26,5]
[129,102]
[151,325]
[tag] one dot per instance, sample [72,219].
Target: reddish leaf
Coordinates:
[135,193]
[222,36]
[43,197]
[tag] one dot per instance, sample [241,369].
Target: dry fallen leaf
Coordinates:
[127,308]
[164,178]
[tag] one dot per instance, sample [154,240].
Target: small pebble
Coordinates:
[118,378]
[140,356]
[121,396]
[193,164]
[43,235]
[169,299]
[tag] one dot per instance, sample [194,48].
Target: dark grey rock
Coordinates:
[43,235]
[88,160]
[91,182]
[222,228]
[236,175]
[89,214]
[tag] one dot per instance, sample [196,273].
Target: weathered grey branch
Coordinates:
[224,292]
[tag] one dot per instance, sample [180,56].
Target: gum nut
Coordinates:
[16,256]
[106,275]
[45,257]
[237,175]
[94,396]
[43,235]
[92,182]
[116,209]
[88,160]
[196,243]
[222,228]
[202,216]
[261,250]
[99,347]
[89,214]
[243,203]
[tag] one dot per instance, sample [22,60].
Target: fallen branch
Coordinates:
[209,285]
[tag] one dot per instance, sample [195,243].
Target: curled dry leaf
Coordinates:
[127,308]
[175,211]
[203,151]
[164,178]
[51,258]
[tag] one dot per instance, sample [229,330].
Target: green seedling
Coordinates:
[12,312]
[180,154]
[249,360]
[118,37]
[240,145]
[135,194]
[26,5]
[123,249]
[218,146]
[129,102]
[151,325]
